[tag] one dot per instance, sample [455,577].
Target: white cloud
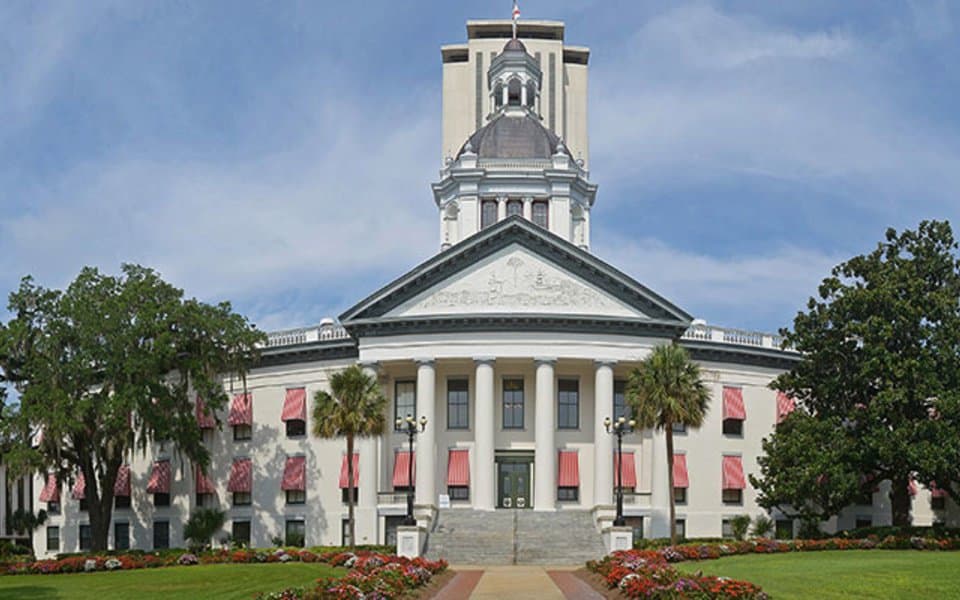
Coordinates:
[759,291]
[700,94]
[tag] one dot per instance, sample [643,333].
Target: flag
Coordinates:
[516,10]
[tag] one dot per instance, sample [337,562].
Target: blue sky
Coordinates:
[279,154]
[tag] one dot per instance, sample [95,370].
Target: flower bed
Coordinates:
[80,563]
[371,576]
[647,574]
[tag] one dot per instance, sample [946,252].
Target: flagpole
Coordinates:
[514,15]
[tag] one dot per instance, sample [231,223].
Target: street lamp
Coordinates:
[619,428]
[409,425]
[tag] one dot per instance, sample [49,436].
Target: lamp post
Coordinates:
[409,426]
[619,428]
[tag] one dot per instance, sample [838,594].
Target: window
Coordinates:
[121,536]
[53,508]
[863,521]
[488,213]
[295,533]
[540,214]
[635,523]
[733,427]
[568,494]
[681,528]
[241,499]
[784,529]
[458,492]
[53,538]
[514,207]
[390,525]
[121,501]
[240,532]
[345,532]
[206,501]
[405,400]
[620,408]
[458,404]
[296,496]
[161,499]
[733,496]
[345,495]
[513,404]
[568,404]
[161,535]
[242,433]
[679,428]
[680,495]
[726,528]
[938,503]
[296,428]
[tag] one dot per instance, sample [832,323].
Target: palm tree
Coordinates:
[666,390]
[354,408]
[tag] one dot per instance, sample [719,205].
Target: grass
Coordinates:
[203,581]
[843,574]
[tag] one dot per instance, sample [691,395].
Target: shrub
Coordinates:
[739,525]
[202,525]
[762,526]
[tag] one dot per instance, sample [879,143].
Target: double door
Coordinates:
[513,480]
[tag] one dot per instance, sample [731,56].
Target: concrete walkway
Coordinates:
[517,583]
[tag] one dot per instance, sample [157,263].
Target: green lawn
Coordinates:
[193,583]
[844,574]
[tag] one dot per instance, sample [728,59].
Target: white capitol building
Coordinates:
[514,342]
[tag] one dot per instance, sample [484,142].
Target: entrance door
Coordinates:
[514,480]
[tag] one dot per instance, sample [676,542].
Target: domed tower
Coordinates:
[514,164]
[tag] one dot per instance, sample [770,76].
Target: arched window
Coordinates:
[513,92]
[498,96]
[514,207]
[531,95]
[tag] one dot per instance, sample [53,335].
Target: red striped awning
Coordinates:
[344,476]
[401,466]
[205,418]
[295,474]
[51,491]
[628,470]
[733,403]
[159,478]
[680,477]
[295,405]
[121,487]
[241,410]
[241,476]
[79,488]
[569,467]
[934,491]
[458,467]
[785,406]
[733,478]
[203,483]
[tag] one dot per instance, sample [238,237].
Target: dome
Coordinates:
[513,136]
[514,44]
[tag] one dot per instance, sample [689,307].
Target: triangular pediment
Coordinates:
[515,269]
[515,280]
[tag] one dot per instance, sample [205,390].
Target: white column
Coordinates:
[484,488]
[523,95]
[427,439]
[367,448]
[528,208]
[545,459]
[501,208]
[506,94]
[602,441]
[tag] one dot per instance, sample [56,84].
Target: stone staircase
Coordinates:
[506,537]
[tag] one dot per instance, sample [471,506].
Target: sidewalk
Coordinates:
[516,583]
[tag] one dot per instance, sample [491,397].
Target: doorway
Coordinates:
[513,481]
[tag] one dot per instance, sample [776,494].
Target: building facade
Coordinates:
[514,342]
